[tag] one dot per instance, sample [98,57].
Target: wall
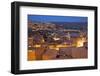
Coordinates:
[5,41]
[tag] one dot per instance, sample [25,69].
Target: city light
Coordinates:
[80,43]
[37,46]
[56,38]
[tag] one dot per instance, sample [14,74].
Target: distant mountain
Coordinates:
[59,25]
[72,25]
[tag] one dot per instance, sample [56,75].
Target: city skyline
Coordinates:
[57,37]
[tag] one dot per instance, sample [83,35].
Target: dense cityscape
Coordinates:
[48,41]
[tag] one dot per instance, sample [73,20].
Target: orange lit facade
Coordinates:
[39,50]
